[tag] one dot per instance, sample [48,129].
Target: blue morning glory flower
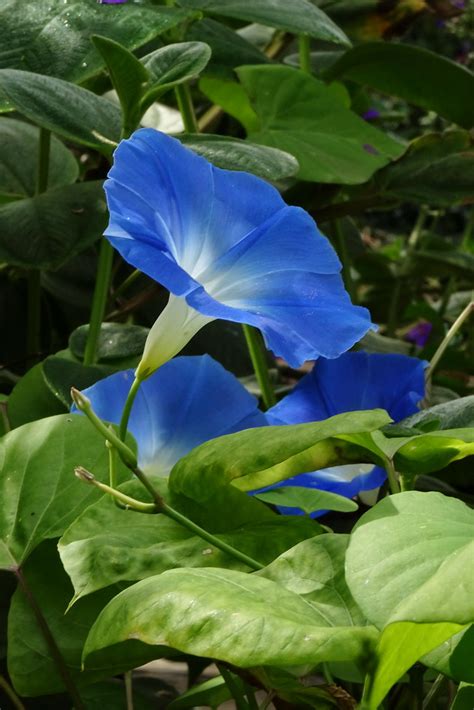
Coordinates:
[354,381]
[225,245]
[185,403]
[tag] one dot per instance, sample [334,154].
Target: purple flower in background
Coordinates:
[371,114]
[226,245]
[420,333]
[111,2]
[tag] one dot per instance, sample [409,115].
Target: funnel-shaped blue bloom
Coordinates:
[185,403]
[229,247]
[353,382]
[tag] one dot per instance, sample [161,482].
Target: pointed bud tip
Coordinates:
[84,475]
[79,399]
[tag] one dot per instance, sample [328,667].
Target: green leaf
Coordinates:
[229,49]
[299,17]
[40,495]
[260,457]
[172,65]
[464,699]
[106,545]
[32,399]
[433,451]
[70,111]
[30,665]
[403,555]
[438,84]
[117,341]
[457,413]
[19,161]
[235,154]
[127,74]
[239,618]
[315,569]
[445,263]
[60,374]
[307,499]
[212,693]
[301,115]
[453,657]
[233,98]
[437,167]
[400,646]
[44,231]
[54,38]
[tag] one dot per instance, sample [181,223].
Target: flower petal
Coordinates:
[188,401]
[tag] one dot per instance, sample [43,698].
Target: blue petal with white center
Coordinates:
[229,245]
[185,403]
[354,381]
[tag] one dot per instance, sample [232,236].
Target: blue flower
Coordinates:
[185,403]
[354,381]
[227,246]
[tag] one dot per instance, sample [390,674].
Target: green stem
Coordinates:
[235,687]
[54,650]
[209,537]
[186,108]
[99,301]
[10,693]
[433,690]
[129,689]
[132,393]
[392,477]
[125,501]
[304,53]
[345,259]
[129,281]
[250,695]
[458,323]
[84,405]
[257,355]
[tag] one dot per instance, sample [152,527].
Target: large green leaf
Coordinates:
[438,84]
[307,499]
[106,545]
[19,161]
[32,399]
[403,555]
[458,413]
[257,458]
[30,665]
[54,37]
[301,16]
[229,49]
[44,231]
[304,117]
[72,112]
[239,618]
[437,167]
[453,657]
[117,341]
[315,569]
[40,495]
[235,154]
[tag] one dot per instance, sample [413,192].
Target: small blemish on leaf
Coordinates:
[370,149]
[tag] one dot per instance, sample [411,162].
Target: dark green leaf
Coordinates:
[43,232]
[32,399]
[438,84]
[258,458]
[437,167]
[30,665]
[239,618]
[60,374]
[308,499]
[19,160]
[40,495]
[172,65]
[54,38]
[301,16]
[453,658]
[464,699]
[117,341]
[127,74]
[301,115]
[229,49]
[106,545]
[457,413]
[234,154]
[72,112]
[212,693]
[444,263]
